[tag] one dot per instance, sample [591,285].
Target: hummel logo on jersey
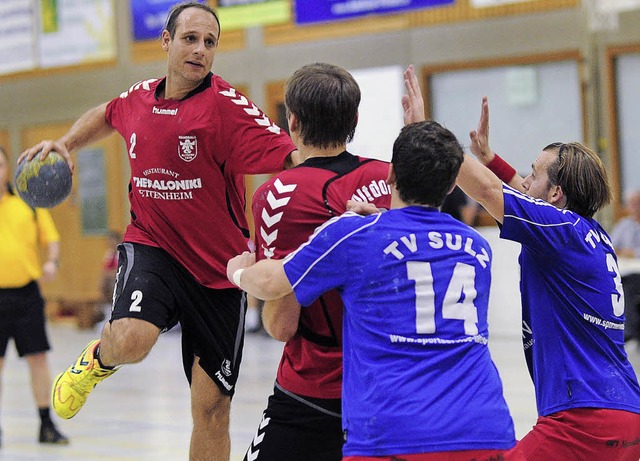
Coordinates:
[165,111]
[187,148]
[251,109]
[268,238]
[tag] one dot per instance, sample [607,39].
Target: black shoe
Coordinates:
[50,434]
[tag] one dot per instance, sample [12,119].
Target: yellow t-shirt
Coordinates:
[21,233]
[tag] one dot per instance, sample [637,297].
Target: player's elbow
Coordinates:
[281,331]
[280,317]
[273,288]
[273,283]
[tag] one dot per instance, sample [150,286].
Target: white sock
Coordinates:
[252,320]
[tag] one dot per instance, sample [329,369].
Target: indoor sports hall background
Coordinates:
[553,70]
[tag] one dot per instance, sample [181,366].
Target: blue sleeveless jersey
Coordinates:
[572,308]
[418,376]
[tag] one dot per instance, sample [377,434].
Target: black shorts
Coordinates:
[295,428]
[22,318]
[152,286]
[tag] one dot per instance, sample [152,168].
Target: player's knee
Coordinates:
[214,413]
[208,404]
[127,341]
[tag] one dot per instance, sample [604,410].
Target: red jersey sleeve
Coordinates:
[258,145]
[113,111]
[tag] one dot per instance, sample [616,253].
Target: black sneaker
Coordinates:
[50,434]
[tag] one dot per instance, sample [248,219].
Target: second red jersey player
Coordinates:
[303,416]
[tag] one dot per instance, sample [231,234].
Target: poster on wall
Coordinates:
[314,11]
[148,17]
[76,32]
[17,35]
[92,191]
[240,14]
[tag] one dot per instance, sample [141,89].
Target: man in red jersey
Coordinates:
[190,139]
[302,420]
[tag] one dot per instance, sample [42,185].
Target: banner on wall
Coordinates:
[488,3]
[76,32]
[17,35]
[313,11]
[240,14]
[148,17]
[36,34]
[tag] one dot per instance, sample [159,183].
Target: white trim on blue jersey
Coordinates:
[321,228]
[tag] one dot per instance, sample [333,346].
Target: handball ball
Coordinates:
[43,183]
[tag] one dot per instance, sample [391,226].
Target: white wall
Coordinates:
[505,316]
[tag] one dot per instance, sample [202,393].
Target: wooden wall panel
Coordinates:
[5,143]
[81,255]
[613,135]
[275,97]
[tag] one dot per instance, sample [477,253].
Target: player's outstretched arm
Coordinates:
[480,148]
[265,279]
[412,101]
[483,186]
[89,128]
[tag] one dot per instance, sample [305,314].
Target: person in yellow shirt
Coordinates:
[22,231]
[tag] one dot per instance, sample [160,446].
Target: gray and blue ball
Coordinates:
[43,183]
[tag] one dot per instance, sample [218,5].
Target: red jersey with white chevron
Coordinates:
[188,160]
[286,210]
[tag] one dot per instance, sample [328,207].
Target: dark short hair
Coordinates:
[582,176]
[172,19]
[426,160]
[325,99]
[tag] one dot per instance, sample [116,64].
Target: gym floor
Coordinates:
[142,413]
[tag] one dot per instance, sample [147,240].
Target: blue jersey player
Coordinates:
[419,382]
[587,394]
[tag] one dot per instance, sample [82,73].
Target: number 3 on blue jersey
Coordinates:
[617,299]
[462,282]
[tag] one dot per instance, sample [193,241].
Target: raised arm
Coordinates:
[412,101]
[89,128]
[480,148]
[479,183]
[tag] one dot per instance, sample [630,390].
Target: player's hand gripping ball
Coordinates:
[43,183]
